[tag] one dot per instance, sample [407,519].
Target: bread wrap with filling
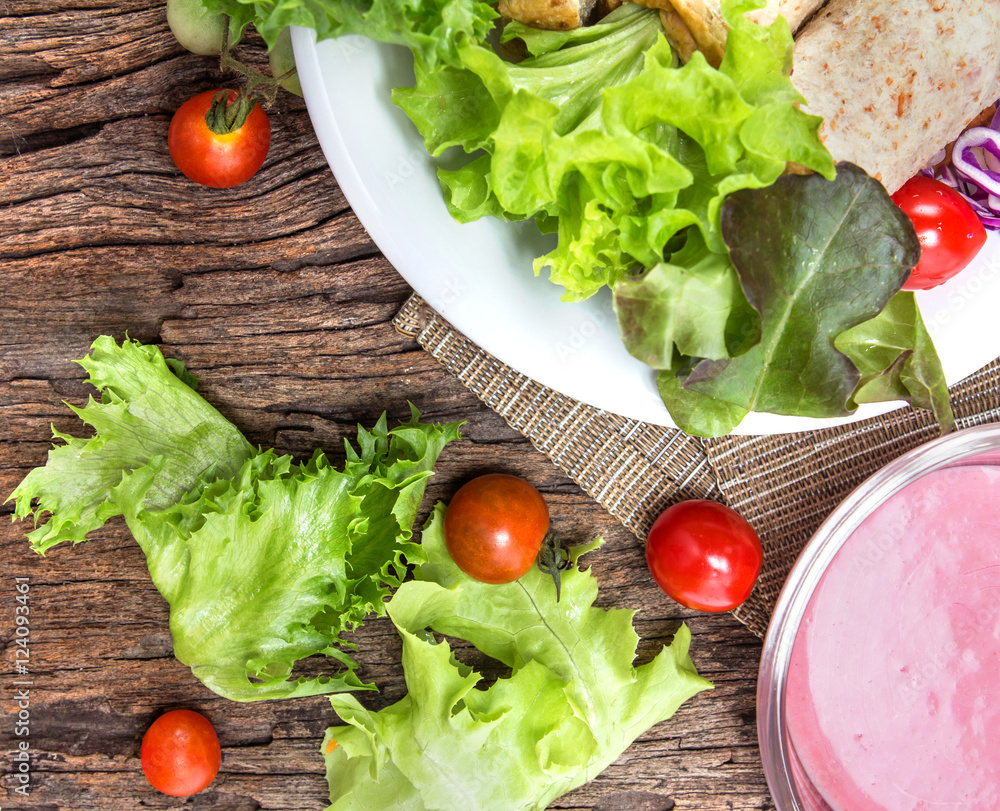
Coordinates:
[897,80]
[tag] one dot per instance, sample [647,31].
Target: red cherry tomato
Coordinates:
[180,753]
[704,555]
[217,159]
[949,231]
[494,527]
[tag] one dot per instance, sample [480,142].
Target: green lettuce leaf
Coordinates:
[691,305]
[897,361]
[815,258]
[573,702]
[697,414]
[149,408]
[431,28]
[601,130]
[264,561]
[893,353]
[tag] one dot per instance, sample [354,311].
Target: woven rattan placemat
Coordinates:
[785,485]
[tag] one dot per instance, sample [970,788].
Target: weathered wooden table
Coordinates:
[276,297]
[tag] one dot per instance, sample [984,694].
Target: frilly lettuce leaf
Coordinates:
[149,408]
[264,561]
[573,702]
[603,130]
[692,305]
[431,28]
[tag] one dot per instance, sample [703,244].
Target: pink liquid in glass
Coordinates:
[893,692]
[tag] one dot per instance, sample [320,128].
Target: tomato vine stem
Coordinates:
[554,558]
[263,84]
[230,108]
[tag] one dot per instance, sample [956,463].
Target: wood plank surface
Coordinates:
[276,297]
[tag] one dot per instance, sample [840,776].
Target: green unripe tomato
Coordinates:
[195,27]
[282,60]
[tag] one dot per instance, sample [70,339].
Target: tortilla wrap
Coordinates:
[897,80]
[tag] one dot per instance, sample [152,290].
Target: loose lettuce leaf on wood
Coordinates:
[264,561]
[277,563]
[815,258]
[148,408]
[573,702]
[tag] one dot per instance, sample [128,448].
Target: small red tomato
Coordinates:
[180,753]
[949,231]
[219,138]
[494,527]
[704,555]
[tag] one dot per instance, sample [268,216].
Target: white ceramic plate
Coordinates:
[479,276]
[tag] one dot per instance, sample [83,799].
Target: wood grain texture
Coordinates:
[276,297]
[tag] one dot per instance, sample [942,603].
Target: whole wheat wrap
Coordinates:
[897,80]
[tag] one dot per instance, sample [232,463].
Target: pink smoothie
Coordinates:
[893,692]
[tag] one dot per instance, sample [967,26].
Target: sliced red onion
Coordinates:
[974,171]
[976,153]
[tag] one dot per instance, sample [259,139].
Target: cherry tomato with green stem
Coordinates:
[180,753]
[494,527]
[219,138]
[704,555]
[949,231]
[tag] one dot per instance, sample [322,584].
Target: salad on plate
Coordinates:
[653,157]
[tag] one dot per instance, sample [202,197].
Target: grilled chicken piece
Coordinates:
[697,25]
[555,15]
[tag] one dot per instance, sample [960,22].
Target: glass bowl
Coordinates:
[800,779]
